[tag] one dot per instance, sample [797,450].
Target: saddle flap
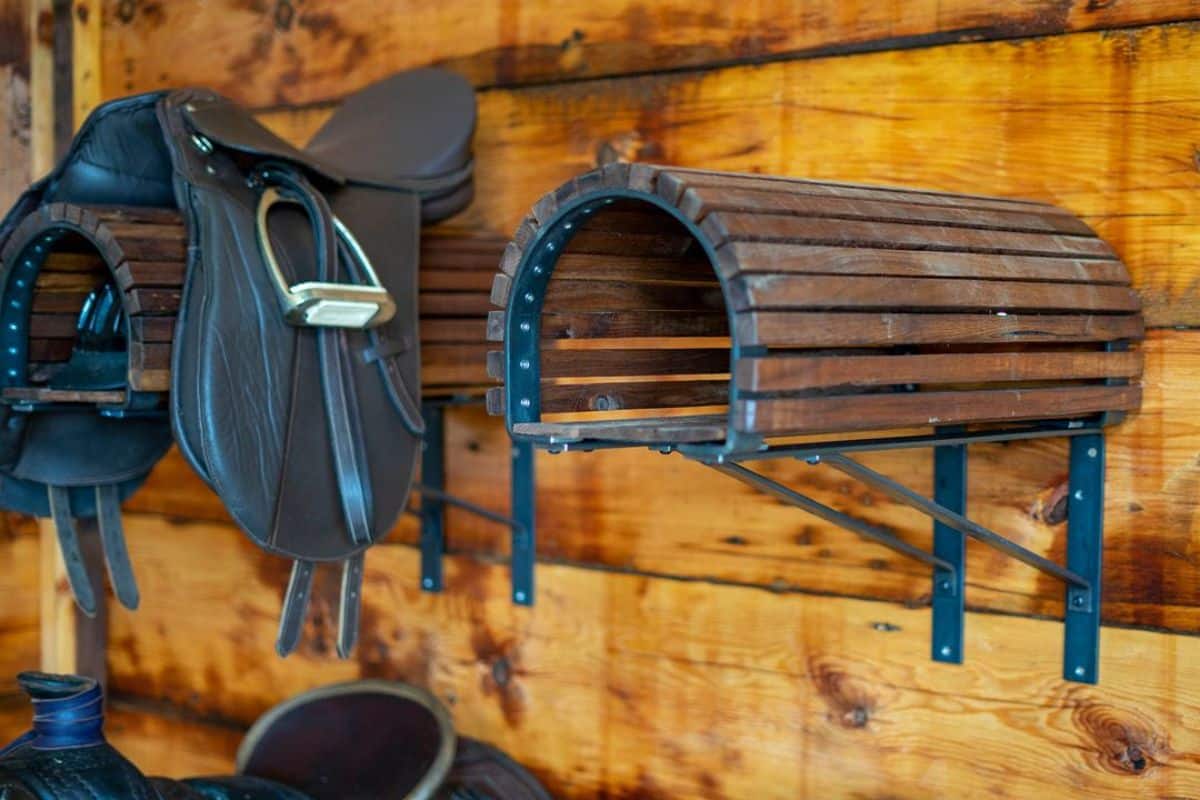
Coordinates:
[220,121]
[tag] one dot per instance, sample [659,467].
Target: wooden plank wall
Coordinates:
[692,639]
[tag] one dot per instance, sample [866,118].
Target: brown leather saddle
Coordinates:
[294,363]
[310,747]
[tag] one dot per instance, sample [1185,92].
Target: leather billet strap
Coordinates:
[112,538]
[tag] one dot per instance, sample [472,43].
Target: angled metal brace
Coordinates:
[852,524]
[902,494]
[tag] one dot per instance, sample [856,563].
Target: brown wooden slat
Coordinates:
[633,266]
[437,330]
[627,324]
[150,355]
[900,294]
[152,249]
[457,280]
[722,227]
[69,281]
[454,304]
[671,183]
[150,273]
[58,302]
[900,410]
[152,301]
[52,326]
[50,350]
[698,204]
[152,329]
[575,296]
[613,363]
[150,215]
[62,261]
[619,396]
[62,395]
[792,373]
[678,430]
[661,245]
[818,329]
[774,257]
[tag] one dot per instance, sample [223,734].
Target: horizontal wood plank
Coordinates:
[800,373]
[901,294]
[849,329]
[320,50]
[778,416]
[767,257]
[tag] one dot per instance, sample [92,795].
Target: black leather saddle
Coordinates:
[294,363]
[311,747]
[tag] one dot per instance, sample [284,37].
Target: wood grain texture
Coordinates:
[1120,108]
[607,685]
[288,53]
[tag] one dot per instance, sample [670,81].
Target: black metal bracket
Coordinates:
[435,498]
[1081,575]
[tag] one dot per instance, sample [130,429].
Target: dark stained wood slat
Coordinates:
[153,329]
[438,330]
[633,266]
[899,294]
[723,227]
[832,329]
[623,363]
[771,257]
[153,301]
[667,244]
[671,183]
[62,261]
[150,273]
[63,395]
[783,416]
[680,430]
[802,373]
[624,395]
[632,324]
[697,205]
[453,304]
[576,295]
[52,326]
[456,280]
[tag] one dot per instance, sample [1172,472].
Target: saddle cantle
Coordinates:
[283,285]
[307,748]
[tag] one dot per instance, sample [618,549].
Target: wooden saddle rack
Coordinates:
[733,318]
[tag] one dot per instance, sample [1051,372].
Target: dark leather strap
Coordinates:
[295,607]
[337,383]
[348,611]
[112,537]
[68,543]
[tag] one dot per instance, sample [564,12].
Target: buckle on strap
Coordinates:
[318,303]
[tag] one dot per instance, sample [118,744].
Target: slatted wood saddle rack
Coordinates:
[734,318]
[149,245]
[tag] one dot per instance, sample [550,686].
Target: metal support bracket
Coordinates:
[1085,545]
[524,548]
[950,491]
[433,510]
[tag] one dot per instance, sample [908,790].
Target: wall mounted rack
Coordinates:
[732,318]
